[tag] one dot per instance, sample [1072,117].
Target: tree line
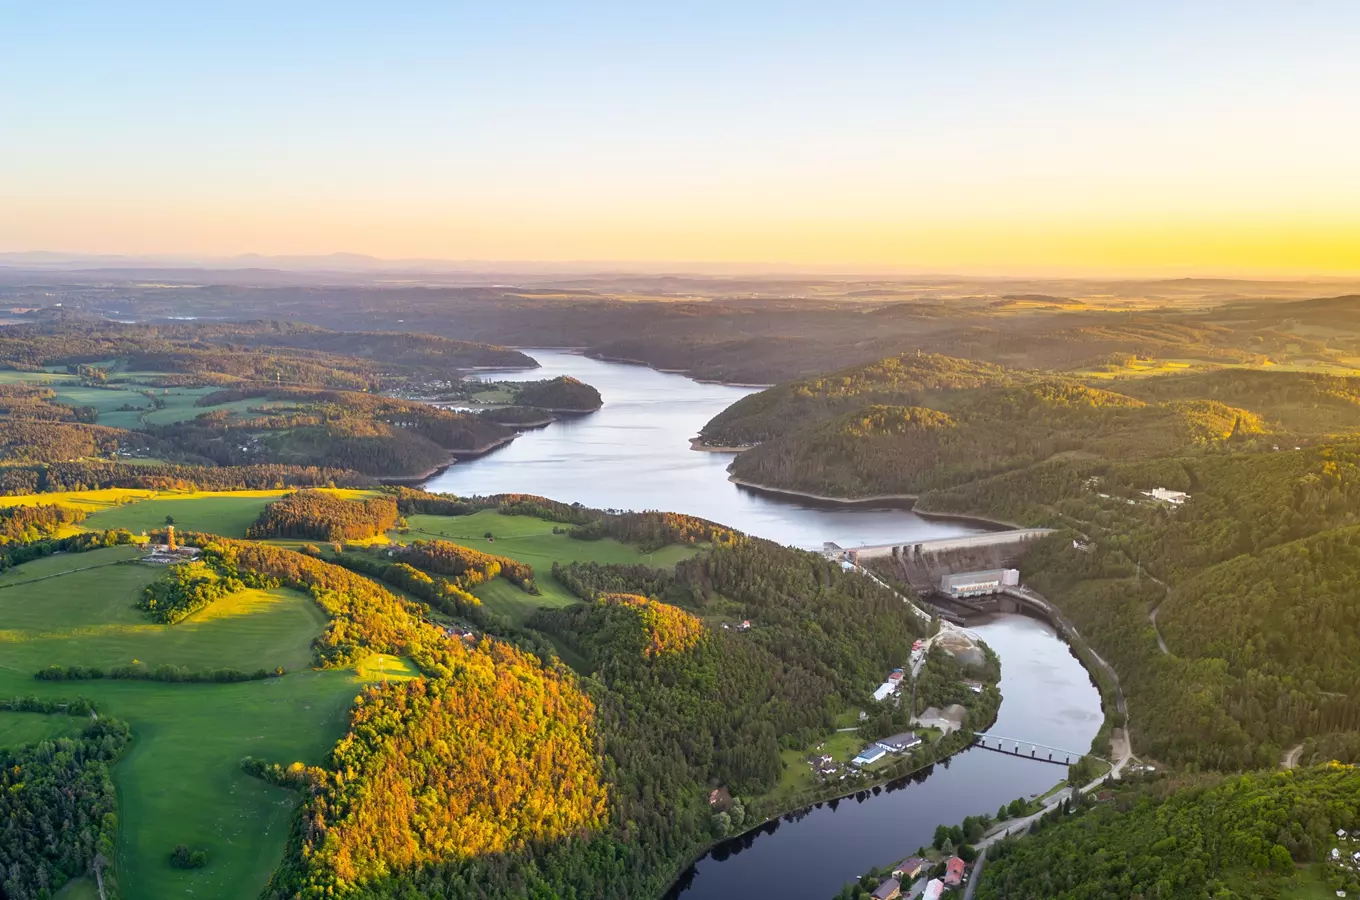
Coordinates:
[90,476]
[26,524]
[58,809]
[468,567]
[323,516]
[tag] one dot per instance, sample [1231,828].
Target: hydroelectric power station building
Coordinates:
[978,584]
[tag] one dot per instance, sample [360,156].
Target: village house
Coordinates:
[888,890]
[909,869]
[953,873]
[933,890]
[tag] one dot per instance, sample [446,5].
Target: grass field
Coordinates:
[1308,883]
[19,728]
[90,501]
[178,404]
[52,379]
[106,400]
[797,777]
[186,409]
[531,540]
[181,780]
[87,617]
[78,889]
[381,667]
[227,513]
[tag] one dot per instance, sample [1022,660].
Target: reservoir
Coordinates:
[634,453]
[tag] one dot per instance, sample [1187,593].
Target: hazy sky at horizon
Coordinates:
[1206,136]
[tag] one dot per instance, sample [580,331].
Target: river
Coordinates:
[634,454]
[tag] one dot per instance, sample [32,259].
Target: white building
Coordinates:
[1175,498]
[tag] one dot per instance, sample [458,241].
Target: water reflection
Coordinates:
[634,454]
[811,853]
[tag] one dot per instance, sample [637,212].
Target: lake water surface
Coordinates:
[634,454]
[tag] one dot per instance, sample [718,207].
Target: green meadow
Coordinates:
[130,389]
[180,781]
[19,728]
[227,513]
[531,540]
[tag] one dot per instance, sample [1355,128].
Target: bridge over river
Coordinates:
[1027,749]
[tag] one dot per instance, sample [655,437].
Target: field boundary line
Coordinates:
[61,574]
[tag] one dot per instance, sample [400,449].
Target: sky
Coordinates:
[984,137]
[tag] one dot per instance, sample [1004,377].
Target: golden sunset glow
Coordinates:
[1060,140]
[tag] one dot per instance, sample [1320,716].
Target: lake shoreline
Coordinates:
[698,446]
[685,372]
[908,501]
[455,456]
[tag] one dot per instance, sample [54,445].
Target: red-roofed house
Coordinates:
[953,873]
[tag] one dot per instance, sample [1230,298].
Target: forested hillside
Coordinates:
[561,394]
[261,350]
[914,423]
[905,380]
[879,450]
[1258,612]
[232,395]
[1241,837]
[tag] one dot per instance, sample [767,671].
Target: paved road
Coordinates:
[975,877]
[1015,826]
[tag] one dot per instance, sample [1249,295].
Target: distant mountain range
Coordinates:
[363,263]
